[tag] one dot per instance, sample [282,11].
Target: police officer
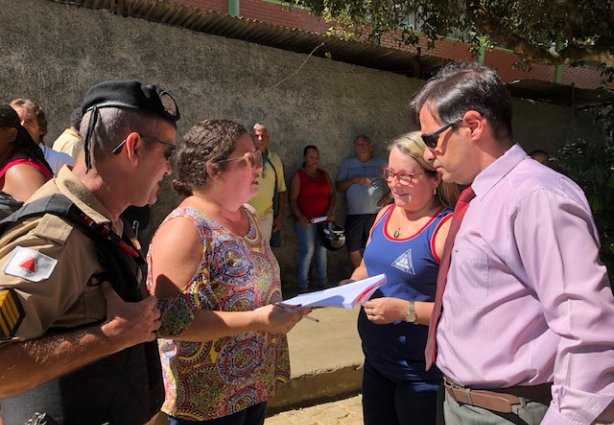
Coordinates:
[77,331]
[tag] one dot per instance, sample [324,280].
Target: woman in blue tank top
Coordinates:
[406,243]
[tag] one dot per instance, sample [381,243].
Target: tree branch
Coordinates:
[488,24]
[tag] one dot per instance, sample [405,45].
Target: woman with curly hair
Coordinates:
[224,348]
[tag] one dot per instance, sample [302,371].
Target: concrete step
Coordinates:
[325,358]
[342,412]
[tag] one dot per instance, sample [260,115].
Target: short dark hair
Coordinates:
[209,141]
[306,149]
[363,137]
[112,126]
[538,152]
[460,87]
[75,118]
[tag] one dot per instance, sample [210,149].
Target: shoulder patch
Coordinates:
[11,313]
[30,265]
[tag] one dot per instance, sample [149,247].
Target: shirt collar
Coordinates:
[495,172]
[71,187]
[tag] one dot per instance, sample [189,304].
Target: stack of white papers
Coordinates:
[346,296]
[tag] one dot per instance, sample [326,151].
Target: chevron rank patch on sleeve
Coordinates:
[11,313]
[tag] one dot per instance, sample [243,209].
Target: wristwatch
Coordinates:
[410,314]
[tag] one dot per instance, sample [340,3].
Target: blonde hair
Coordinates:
[411,144]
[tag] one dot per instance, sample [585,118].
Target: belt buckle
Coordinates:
[458,392]
[453,386]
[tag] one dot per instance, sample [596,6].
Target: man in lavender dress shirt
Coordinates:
[527,329]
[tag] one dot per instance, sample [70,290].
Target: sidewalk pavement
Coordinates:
[343,412]
[326,361]
[325,358]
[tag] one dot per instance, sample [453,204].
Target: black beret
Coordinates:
[9,117]
[132,94]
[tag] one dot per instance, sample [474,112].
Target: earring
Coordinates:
[434,191]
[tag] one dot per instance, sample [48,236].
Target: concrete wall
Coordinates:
[53,52]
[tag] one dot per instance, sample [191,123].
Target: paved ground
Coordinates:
[343,412]
[325,358]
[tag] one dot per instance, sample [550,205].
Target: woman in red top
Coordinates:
[23,168]
[312,196]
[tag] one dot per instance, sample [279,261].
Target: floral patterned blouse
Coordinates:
[208,380]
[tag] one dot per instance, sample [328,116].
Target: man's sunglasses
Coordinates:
[430,140]
[168,153]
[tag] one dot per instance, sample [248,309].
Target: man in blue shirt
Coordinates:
[360,178]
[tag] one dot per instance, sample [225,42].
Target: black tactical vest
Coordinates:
[123,389]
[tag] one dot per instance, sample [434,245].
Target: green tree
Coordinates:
[545,31]
[570,32]
[590,163]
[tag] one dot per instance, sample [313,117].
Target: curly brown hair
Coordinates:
[209,141]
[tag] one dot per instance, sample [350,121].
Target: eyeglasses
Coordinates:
[404,178]
[253,159]
[168,153]
[430,140]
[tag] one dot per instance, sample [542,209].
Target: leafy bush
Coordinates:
[591,165]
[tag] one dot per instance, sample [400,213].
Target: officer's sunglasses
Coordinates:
[431,139]
[168,153]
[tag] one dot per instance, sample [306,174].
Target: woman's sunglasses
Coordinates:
[253,159]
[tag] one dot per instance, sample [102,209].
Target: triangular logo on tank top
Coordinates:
[405,263]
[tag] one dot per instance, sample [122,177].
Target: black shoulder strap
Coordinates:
[61,206]
[275,206]
[267,159]
[8,205]
[56,204]
[106,240]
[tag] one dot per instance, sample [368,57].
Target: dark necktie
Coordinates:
[462,204]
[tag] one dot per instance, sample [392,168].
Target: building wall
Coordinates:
[53,52]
